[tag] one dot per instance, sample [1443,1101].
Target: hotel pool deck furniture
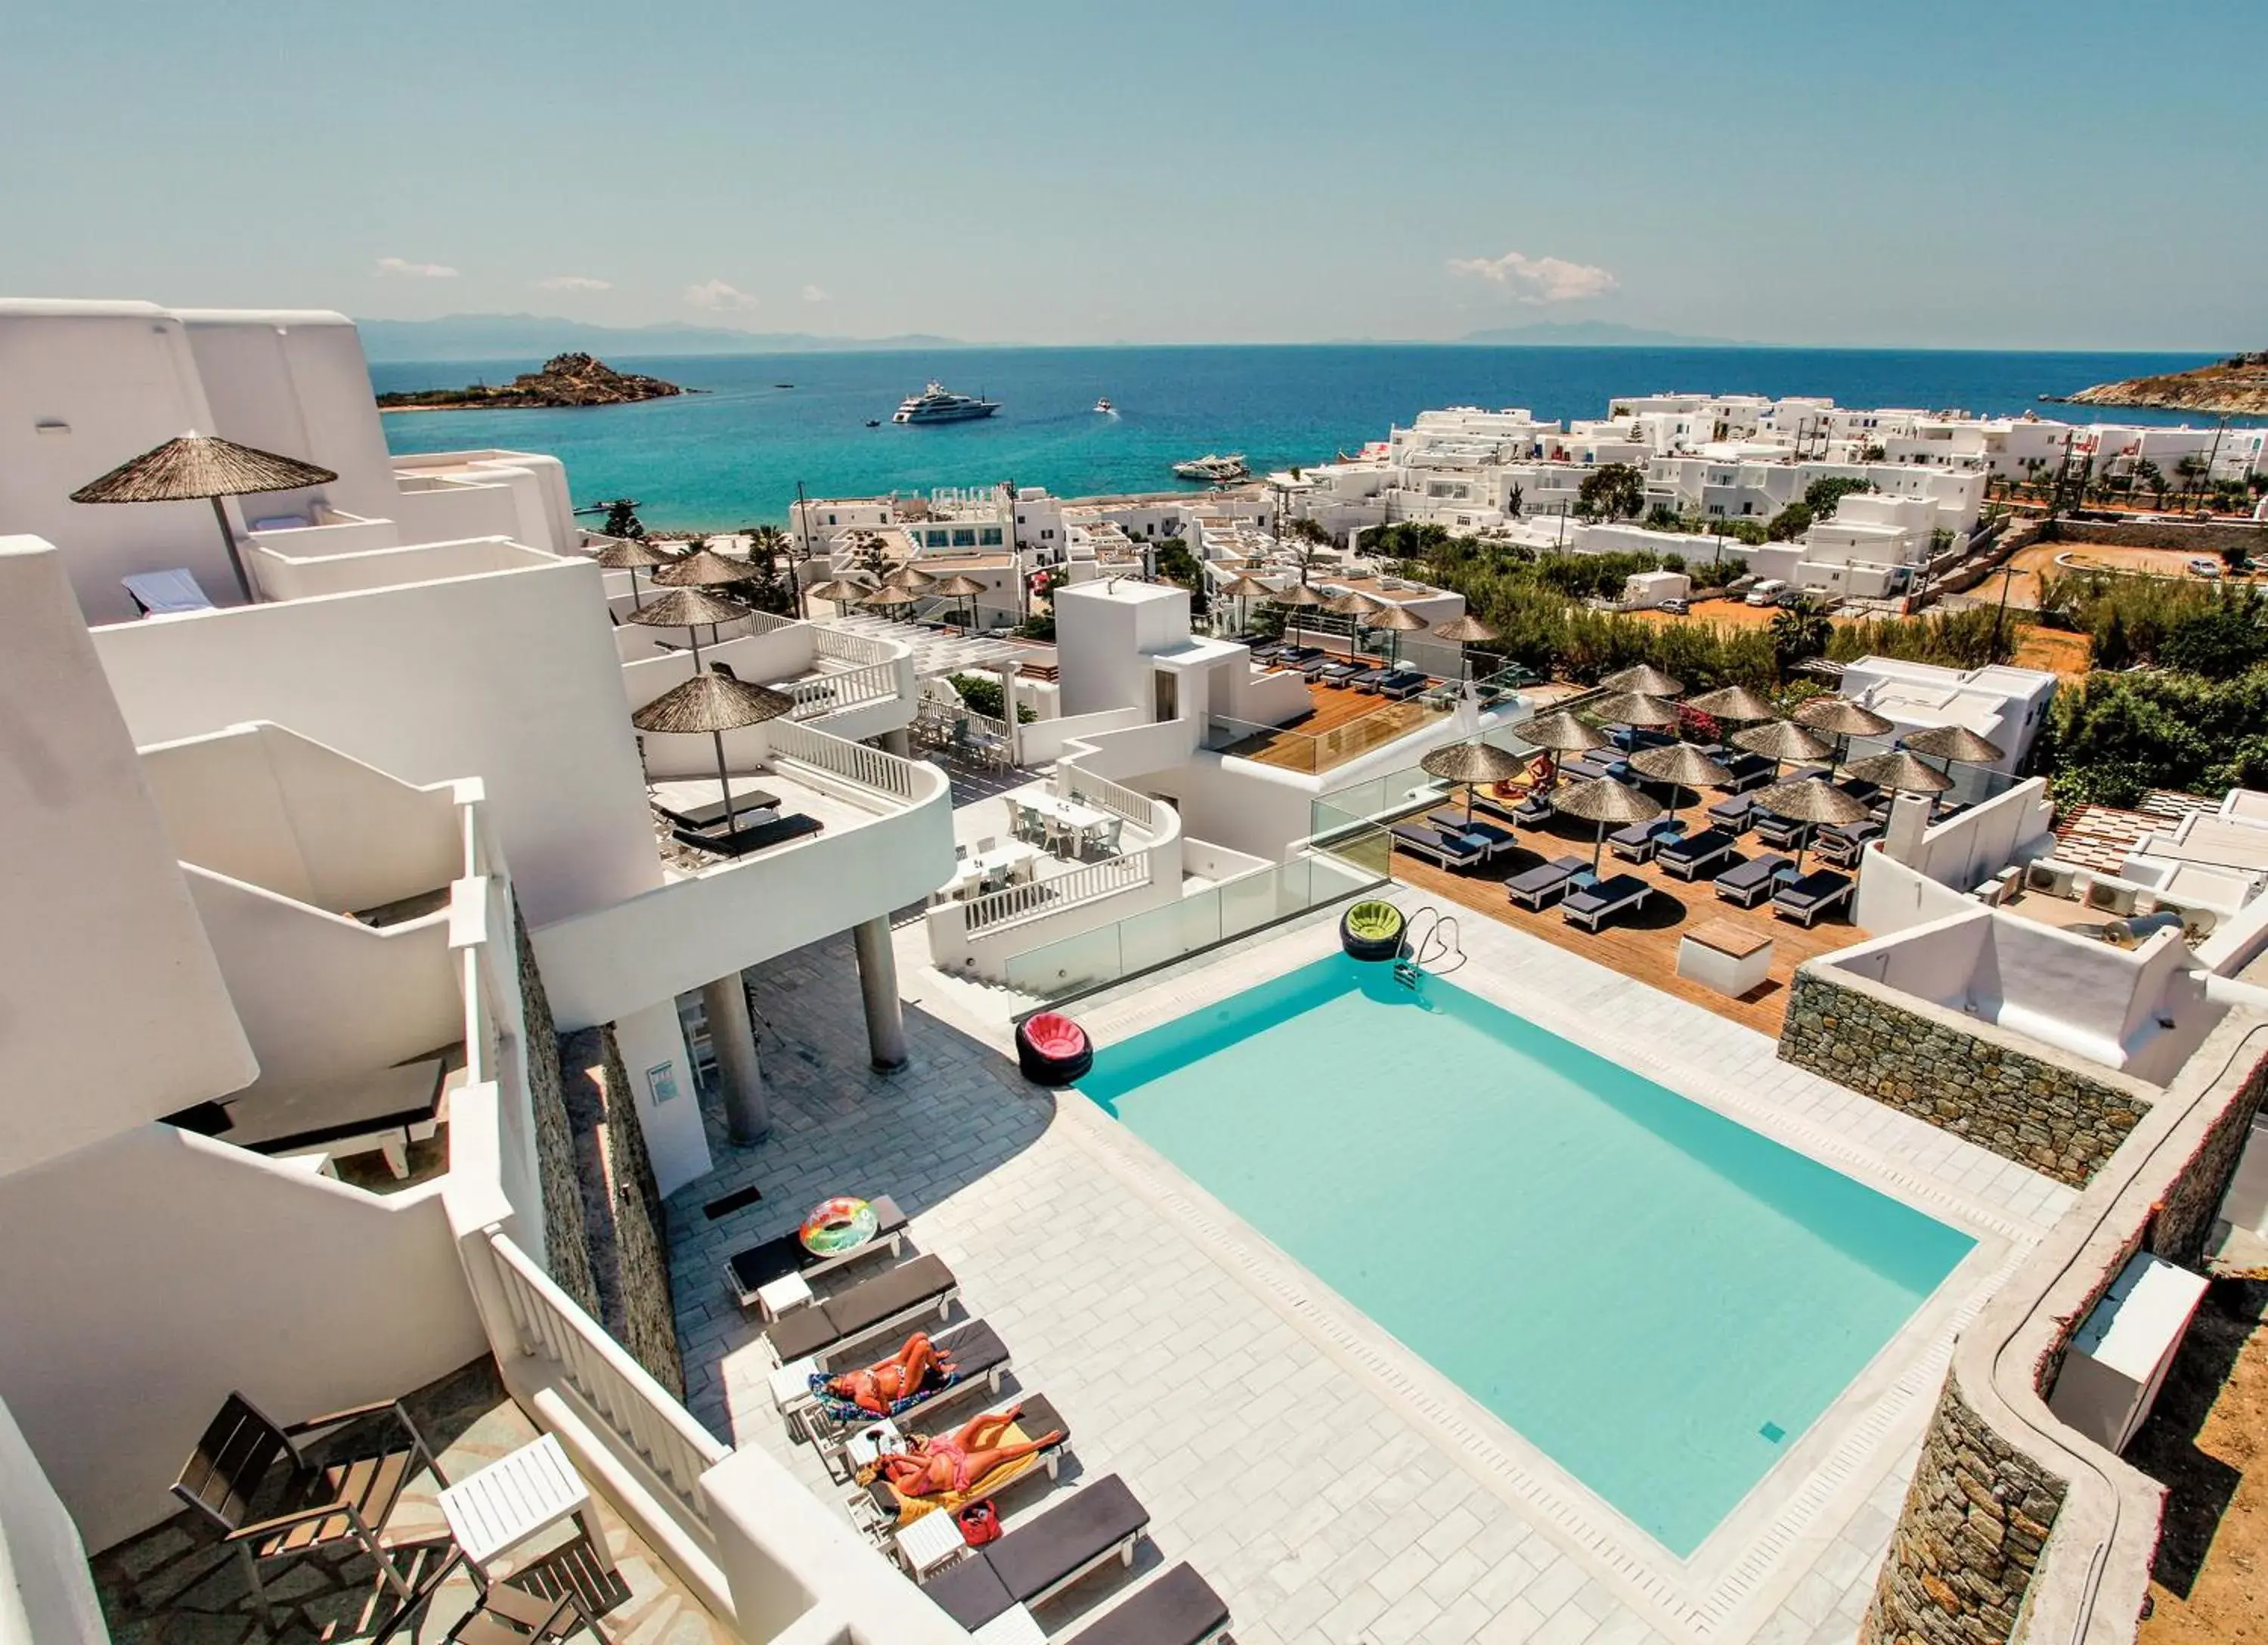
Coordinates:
[1785,832]
[1457,850]
[1039,1559]
[1401,682]
[749,1271]
[906,1293]
[518,1498]
[928,1543]
[987,870]
[1178,1608]
[1533,811]
[981,1357]
[509,1615]
[748,836]
[1725,954]
[1537,886]
[1749,770]
[1753,881]
[1590,906]
[1589,770]
[1689,855]
[1630,739]
[337,1503]
[695,802]
[1734,814]
[1037,1416]
[1500,839]
[1639,842]
[1841,843]
[1817,894]
[166,594]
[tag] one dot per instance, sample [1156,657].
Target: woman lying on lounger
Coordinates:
[951,1463]
[880,1388]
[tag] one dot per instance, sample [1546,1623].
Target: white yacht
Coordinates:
[1219,470]
[937,403]
[1104,406]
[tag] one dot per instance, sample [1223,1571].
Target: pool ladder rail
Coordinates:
[1439,942]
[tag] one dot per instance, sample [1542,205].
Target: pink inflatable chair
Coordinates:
[1052,1050]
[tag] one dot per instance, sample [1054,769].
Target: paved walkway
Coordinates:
[1323,1485]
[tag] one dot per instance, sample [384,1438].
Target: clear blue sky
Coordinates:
[2068,174]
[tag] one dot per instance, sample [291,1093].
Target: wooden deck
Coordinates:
[1329,734]
[1641,946]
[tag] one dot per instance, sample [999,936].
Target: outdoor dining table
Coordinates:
[979,867]
[1070,813]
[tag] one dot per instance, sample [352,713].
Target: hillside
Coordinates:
[534,336]
[2235,386]
[566,380]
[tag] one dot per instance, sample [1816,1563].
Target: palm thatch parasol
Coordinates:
[959,586]
[1471,762]
[1465,631]
[910,576]
[1354,604]
[714,703]
[1680,764]
[1298,598]
[1633,708]
[1603,800]
[1561,733]
[1779,740]
[1733,702]
[1396,621]
[1810,800]
[842,591]
[1645,679]
[196,468]
[703,568]
[894,599]
[1955,742]
[1901,772]
[632,555]
[1843,719]
[1241,589]
[689,609]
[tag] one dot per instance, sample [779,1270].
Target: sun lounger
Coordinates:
[166,594]
[1860,790]
[1340,673]
[903,1295]
[749,835]
[1590,906]
[1537,886]
[1630,739]
[1734,814]
[1401,683]
[1500,839]
[1748,771]
[1752,881]
[1036,1416]
[1532,811]
[1638,842]
[1817,893]
[1451,850]
[1689,855]
[749,1272]
[1842,842]
[1037,1561]
[980,1361]
[1179,1608]
[1785,832]
[1590,767]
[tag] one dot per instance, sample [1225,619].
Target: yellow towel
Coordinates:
[913,1508]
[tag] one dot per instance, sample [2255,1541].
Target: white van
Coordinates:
[1770,591]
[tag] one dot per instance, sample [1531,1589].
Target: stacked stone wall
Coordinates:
[567,1251]
[2059,1120]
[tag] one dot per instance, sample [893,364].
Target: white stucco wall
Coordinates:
[47,1597]
[295,383]
[653,1039]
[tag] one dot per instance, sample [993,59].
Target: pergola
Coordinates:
[937,654]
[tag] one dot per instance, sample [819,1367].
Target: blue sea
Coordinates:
[730,455]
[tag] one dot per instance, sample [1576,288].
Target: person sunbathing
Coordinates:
[877,1389]
[953,1462]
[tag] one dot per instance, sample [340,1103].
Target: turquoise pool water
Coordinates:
[1660,1299]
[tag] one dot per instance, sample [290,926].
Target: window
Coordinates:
[1046,532]
[935,539]
[830,519]
[964,537]
[989,537]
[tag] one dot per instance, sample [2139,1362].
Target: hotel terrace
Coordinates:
[470,1042]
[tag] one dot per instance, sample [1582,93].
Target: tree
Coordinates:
[1789,524]
[1613,491]
[2151,478]
[1305,536]
[623,521]
[1177,566]
[867,553]
[2192,468]
[2221,642]
[1799,633]
[1821,494]
[771,588]
[1743,528]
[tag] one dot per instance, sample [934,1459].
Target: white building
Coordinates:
[2005,705]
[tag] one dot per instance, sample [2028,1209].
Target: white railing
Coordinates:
[643,1413]
[995,729]
[831,693]
[1115,798]
[844,646]
[764,623]
[856,762]
[1106,878]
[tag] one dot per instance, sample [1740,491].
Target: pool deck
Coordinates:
[1328,1483]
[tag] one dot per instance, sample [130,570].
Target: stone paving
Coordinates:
[1323,1499]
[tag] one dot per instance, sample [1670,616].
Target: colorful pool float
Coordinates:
[837,1225]
[1052,1050]
[1372,929]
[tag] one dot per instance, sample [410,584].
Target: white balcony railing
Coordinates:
[868,767]
[814,699]
[1102,878]
[1115,798]
[844,646]
[643,1413]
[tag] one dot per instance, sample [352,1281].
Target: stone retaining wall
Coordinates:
[1958,1073]
[2197,537]
[567,1254]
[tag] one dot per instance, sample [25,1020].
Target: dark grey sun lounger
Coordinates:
[1451,850]
[1735,814]
[1807,900]
[1179,1608]
[1593,904]
[1500,839]
[1537,886]
[1037,1561]
[1689,855]
[747,1270]
[904,1293]
[1752,881]
[1533,811]
[1639,840]
[1779,831]
[980,1360]
[1036,1415]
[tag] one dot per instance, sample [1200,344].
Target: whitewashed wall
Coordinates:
[47,1597]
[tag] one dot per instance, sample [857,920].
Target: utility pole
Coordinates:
[803,520]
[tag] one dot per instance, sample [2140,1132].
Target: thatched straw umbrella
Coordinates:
[632,555]
[1900,772]
[1645,679]
[1779,742]
[1465,631]
[1633,708]
[1733,702]
[1471,763]
[910,576]
[703,568]
[1955,742]
[714,703]
[1809,800]
[1561,733]
[1243,589]
[1843,720]
[1298,598]
[1680,764]
[690,609]
[1603,800]
[897,599]
[203,468]
[958,587]
[1396,621]
[840,591]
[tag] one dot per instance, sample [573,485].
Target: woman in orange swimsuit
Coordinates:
[877,1389]
[956,1462]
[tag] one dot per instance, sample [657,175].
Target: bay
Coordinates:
[730,455]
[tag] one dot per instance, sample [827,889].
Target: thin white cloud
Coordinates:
[1538,279]
[575,283]
[717,294]
[815,293]
[410,270]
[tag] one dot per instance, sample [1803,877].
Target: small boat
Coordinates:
[874,422]
[1105,407]
[1219,470]
[783,385]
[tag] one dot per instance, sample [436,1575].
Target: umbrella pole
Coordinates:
[724,783]
[637,604]
[1598,848]
[235,560]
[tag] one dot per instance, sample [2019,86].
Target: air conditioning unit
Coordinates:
[2111,896]
[2048,875]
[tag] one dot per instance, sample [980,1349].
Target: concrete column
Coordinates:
[733,1037]
[878,988]
[1008,711]
[899,742]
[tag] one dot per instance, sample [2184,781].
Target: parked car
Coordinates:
[1678,606]
[1741,585]
[1770,591]
[2203,567]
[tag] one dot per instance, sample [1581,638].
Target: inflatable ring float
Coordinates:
[1372,929]
[1052,1050]
[837,1225]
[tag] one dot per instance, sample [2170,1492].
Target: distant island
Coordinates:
[1589,334]
[566,380]
[2235,386]
[532,336]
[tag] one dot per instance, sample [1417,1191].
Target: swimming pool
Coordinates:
[1658,1299]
